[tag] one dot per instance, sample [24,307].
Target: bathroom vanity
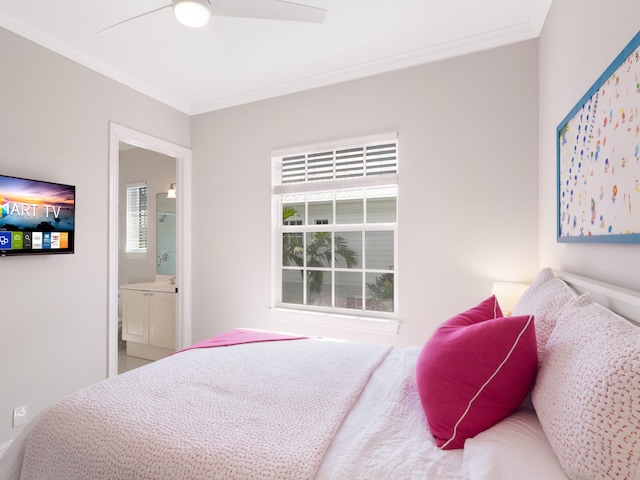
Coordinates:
[149,319]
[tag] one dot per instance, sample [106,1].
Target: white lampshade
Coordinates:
[192,13]
[508,295]
[172,191]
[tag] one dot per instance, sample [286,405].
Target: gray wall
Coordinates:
[579,41]
[54,125]
[468,133]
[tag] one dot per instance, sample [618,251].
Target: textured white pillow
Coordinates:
[544,299]
[587,394]
[514,449]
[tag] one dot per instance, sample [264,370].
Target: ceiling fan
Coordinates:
[196,13]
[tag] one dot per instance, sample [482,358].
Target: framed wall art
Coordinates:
[598,150]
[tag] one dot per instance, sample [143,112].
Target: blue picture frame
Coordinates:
[598,158]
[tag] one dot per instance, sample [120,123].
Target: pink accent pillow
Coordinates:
[475,370]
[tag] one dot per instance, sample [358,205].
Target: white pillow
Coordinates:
[544,299]
[515,448]
[587,394]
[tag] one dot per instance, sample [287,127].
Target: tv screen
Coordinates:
[36,217]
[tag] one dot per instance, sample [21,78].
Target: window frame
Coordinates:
[137,231]
[358,319]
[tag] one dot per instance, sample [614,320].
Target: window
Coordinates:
[337,227]
[137,217]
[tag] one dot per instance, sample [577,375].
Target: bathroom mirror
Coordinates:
[165,235]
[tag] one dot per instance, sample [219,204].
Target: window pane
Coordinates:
[320,209]
[293,169]
[319,288]
[319,249]
[350,162]
[349,290]
[320,166]
[379,250]
[292,249]
[293,210]
[292,286]
[349,207]
[381,205]
[348,249]
[381,159]
[380,292]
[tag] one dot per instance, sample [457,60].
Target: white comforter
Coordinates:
[293,415]
[263,410]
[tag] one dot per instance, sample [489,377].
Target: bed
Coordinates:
[558,398]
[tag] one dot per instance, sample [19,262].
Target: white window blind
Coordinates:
[137,217]
[362,161]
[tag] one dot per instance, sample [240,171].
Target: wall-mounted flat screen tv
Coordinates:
[36,217]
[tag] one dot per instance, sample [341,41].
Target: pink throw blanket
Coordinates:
[241,335]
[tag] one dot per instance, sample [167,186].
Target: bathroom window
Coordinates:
[137,217]
[335,218]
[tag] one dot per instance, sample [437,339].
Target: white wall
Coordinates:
[579,41]
[54,125]
[468,136]
[158,171]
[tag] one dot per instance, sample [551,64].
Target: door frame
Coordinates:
[119,133]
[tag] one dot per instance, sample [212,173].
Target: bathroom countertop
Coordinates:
[152,286]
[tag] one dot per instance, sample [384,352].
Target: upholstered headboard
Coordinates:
[623,301]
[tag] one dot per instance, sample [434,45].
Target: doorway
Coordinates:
[123,135]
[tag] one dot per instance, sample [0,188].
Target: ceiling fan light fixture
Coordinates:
[192,13]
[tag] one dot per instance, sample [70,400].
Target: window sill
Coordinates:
[346,322]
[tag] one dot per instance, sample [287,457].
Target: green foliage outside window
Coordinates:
[319,254]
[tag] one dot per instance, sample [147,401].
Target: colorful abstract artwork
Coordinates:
[598,146]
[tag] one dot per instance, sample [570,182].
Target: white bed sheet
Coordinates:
[385,435]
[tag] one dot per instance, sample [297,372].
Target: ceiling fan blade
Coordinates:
[132,18]
[269,9]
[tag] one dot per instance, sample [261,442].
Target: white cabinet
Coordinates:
[148,322]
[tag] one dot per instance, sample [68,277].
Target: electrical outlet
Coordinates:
[19,416]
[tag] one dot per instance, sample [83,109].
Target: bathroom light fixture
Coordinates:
[508,295]
[192,13]
[172,191]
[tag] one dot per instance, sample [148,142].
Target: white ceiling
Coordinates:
[238,60]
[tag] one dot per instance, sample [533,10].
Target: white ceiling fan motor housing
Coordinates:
[192,13]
